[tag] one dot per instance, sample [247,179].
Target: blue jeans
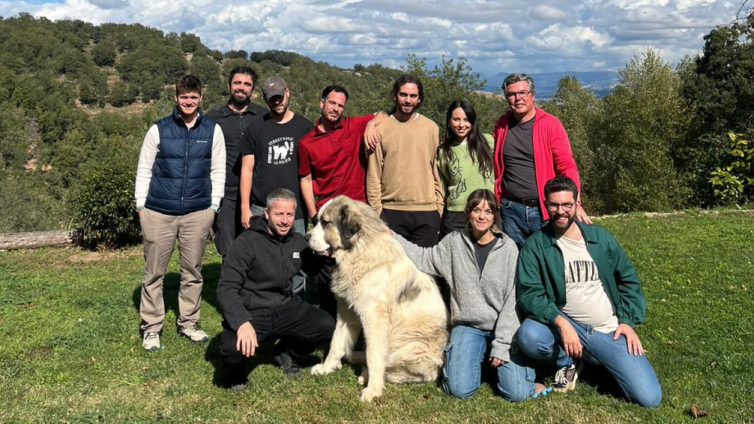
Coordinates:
[519,221]
[634,374]
[462,373]
[299,281]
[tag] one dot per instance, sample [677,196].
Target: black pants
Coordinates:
[299,326]
[323,279]
[227,225]
[419,227]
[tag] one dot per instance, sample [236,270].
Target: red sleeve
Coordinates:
[497,156]
[562,156]
[360,122]
[304,163]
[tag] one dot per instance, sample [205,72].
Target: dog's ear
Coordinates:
[348,223]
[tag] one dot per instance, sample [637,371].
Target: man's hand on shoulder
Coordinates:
[633,344]
[581,215]
[247,339]
[371,139]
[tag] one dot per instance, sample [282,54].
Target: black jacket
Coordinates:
[257,271]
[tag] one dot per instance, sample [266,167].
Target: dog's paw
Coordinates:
[322,369]
[363,379]
[369,394]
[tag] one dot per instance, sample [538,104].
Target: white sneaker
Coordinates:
[151,341]
[566,377]
[194,333]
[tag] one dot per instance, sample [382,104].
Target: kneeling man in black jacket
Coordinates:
[256,293]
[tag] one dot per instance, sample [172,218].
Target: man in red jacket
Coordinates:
[531,147]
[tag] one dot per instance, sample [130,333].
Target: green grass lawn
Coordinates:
[71,351]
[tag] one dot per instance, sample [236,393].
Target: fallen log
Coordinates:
[37,239]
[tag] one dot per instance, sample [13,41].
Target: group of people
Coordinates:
[549,288]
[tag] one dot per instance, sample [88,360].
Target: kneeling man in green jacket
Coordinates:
[582,299]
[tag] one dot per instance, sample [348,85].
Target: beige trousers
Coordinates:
[160,232]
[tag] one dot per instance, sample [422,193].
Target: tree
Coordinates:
[278,56]
[122,94]
[236,54]
[719,88]
[580,112]
[644,119]
[104,53]
[207,70]
[190,42]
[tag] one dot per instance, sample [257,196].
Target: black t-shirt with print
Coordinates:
[275,150]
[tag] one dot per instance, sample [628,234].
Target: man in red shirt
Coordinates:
[331,159]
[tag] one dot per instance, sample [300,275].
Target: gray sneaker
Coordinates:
[195,334]
[151,341]
[565,377]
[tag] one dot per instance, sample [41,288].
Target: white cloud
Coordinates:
[571,40]
[493,35]
[548,13]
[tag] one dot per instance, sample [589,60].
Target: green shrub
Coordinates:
[27,205]
[735,180]
[104,204]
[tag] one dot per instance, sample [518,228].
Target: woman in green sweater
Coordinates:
[464,161]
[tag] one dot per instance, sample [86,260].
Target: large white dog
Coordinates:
[379,290]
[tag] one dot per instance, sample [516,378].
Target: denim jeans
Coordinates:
[519,221]
[634,374]
[462,373]
[299,281]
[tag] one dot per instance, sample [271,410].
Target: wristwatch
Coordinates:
[215,208]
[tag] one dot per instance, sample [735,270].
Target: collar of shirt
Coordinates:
[339,125]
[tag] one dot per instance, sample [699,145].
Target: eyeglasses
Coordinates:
[522,94]
[555,206]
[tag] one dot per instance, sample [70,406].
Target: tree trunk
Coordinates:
[36,239]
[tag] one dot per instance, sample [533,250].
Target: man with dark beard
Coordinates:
[235,118]
[582,299]
[403,184]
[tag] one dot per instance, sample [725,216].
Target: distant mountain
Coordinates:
[601,83]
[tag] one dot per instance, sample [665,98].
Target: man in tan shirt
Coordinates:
[403,184]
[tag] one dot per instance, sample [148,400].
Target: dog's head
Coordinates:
[342,224]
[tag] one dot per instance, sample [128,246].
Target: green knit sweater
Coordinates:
[460,176]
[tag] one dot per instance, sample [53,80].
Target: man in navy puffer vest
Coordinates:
[180,180]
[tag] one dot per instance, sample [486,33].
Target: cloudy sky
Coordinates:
[494,35]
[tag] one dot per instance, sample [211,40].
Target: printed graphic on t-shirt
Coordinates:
[581,271]
[280,151]
[455,174]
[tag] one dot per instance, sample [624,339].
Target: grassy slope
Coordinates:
[71,350]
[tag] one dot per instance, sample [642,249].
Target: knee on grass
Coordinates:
[459,390]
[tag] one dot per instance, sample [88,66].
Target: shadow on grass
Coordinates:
[220,378]
[171,285]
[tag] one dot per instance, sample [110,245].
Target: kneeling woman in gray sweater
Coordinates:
[479,265]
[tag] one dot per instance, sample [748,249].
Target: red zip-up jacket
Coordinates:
[552,153]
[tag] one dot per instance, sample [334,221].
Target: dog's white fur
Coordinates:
[379,290]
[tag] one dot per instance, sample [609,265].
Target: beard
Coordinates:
[240,99]
[274,230]
[563,226]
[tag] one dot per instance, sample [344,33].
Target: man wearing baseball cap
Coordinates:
[270,157]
